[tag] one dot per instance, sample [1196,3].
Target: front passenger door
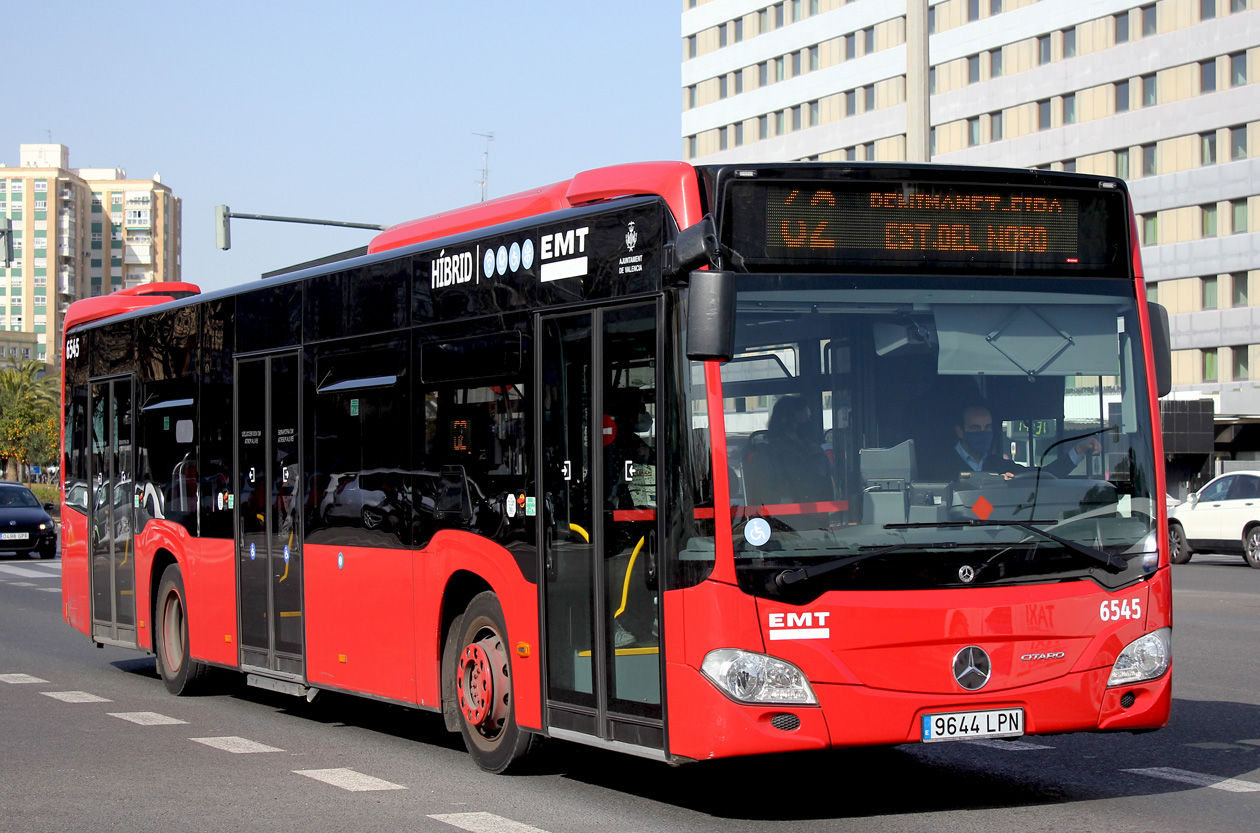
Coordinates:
[1203,522]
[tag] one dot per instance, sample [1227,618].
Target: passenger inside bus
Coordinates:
[786,464]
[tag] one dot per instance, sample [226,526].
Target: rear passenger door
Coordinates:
[1240,507]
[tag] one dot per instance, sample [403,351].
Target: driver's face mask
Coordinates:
[978,441]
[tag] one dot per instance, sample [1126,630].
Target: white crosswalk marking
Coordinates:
[485,823]
[348,779]
[75,697]
[1199,779]
[25,572]
[19,679]
[148,718]
[1008,745]
[237,745]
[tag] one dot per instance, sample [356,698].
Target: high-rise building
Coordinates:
[78,233]
[1158,93]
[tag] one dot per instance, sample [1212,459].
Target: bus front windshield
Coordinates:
[904,433]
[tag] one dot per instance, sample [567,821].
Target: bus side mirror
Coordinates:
[711,316]
[1161,347]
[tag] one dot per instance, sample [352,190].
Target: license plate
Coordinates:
[998,723]
[14,536]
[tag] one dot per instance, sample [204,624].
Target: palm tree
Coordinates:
[23,381]
[23,385]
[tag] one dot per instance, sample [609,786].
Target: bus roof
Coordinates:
[127,300]
[675,182]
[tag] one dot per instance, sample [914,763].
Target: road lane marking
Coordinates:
[75,697]
[348,779]
[24,572]
[1008,745]
[1199,779]
[236,745]
[50,589]
[20,679]
[485,823]
[148,718]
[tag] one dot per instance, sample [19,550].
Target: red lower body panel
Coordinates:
[706,724]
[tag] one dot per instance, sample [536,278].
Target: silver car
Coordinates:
[1223,516]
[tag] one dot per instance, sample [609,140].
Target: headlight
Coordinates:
[757,678]
[1143,659]
[42,527]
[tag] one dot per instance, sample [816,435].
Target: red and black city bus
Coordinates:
[687,462]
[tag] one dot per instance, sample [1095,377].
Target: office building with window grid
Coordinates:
[1162,93]
[78,233]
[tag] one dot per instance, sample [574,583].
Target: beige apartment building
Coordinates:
[1162,93]
[79,232]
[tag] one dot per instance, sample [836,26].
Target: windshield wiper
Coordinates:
[796,575]
[1111,563]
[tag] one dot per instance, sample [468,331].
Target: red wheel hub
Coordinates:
[475,684]
[482,685]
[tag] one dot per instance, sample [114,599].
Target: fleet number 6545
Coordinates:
[1115,609]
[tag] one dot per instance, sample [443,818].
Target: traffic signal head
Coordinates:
[222,229]
[6,241]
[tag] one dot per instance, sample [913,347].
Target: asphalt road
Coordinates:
[97,743]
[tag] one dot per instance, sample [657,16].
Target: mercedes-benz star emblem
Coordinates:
[967,574]
[972,668]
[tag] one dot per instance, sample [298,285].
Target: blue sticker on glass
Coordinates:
[487,265]
[286,553]
[252,552]
[514,257]
[527,254]
[757,532]
[502,260]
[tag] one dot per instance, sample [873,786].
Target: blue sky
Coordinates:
[358,111]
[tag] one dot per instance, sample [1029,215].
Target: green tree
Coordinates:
[29,424]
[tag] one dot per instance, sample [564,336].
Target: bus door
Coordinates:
[268,501]
[597,511]
[112,499]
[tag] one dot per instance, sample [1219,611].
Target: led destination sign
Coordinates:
[900,224]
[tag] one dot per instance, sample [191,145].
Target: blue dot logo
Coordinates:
[757,532]
[527,254]
[252,552]
[514,257]
[286,553]
[502,260]
[341,560]
[487,265]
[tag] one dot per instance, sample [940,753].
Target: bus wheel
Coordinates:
[1178,547]
[483,688]
[180,673]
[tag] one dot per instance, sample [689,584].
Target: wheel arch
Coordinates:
[162,558]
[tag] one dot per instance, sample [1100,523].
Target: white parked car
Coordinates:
[1223,516]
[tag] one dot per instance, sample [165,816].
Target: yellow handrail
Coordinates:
[625,585]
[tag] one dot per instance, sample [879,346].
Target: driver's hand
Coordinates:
[1088,446]
[1008,475]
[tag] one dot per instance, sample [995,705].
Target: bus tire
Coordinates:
[1178,547]
[180,673]
[481,668]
